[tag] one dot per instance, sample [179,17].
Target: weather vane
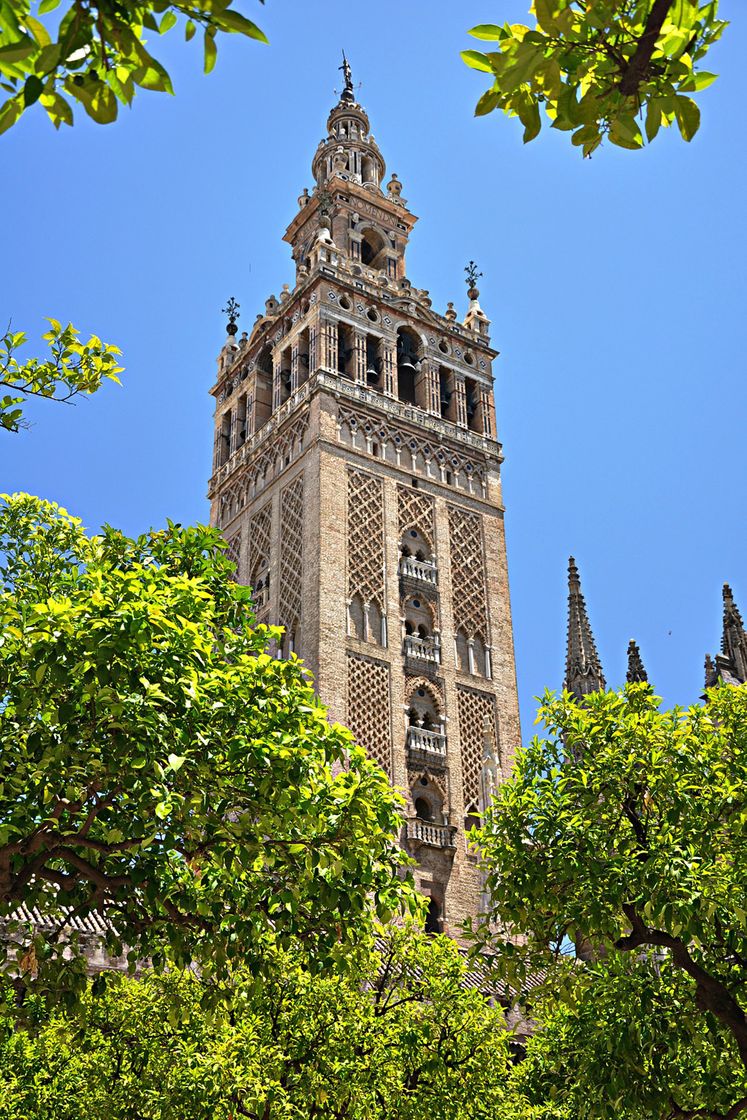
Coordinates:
[347,73]
[232,311]
[472,274]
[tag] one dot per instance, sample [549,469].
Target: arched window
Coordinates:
[373,249]
[423,809]
[478,657]
[433,917]
[462,652]
[474,407]
[260,585]
[356,618]
[375,624]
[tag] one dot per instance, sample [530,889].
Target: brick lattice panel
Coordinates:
[260,532]
[366,538]
[368,705]
[468,573]
[477,718]
[416,512]
[291,555]
[233,553]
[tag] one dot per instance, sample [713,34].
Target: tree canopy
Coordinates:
[624,833]
[72,368]
[601,68]
[97,54]
[161,769]
[399,1036]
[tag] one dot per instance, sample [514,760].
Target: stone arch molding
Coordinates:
[414,683]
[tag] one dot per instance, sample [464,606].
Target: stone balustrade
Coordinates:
[432,835]
[423,570]
[422,649]
[427,742]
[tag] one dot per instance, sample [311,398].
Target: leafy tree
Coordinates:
[96,54]
[72,368]
[628,1041]
[595,66]
[399,1036]
[624,832]
[160,769]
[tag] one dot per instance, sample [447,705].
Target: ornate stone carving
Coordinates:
[369,709]
[233,553]
[477,721]
[468,573]
[260,532]
[416,511]
[291,556]
[366,538]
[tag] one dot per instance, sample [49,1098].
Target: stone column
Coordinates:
[461,402]
[313,349]
[390,368]
[360,358]
[486,413]
[329,346]
[295,364]
[432,387]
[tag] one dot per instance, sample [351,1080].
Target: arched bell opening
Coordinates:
[418,618]
[263,386]
[286,375]
[346,351]
[374,361]
[373,249]
[473,397]
[303,356]
[446,394]
[409,359]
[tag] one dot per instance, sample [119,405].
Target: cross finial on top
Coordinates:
[232,311]
[472,274]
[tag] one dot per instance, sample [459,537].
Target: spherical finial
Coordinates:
[450,312]
[394,186]
[232,311]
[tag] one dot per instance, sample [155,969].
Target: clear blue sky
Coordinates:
[616,288]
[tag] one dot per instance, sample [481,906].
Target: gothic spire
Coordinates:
[636,672]
[583,669]
[734,638]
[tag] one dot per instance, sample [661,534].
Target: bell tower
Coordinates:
[356,478]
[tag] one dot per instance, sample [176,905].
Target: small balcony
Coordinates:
[429,834]
[424,571]
[428,746]
[423,650]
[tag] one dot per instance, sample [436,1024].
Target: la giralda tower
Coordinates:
[356,478]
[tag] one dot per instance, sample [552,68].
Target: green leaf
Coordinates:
[168,21]
[211,51]
[477,61]
[234,21]
[32,90]
[688,116]
[190,29]
[48,6]
[487,31]
[487,103]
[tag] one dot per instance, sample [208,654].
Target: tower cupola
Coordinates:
[349,150]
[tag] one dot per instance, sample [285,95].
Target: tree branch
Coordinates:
[635,71]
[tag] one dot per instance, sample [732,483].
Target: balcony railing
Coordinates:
[423,570]
[432,835]
[422,649]
[426,742]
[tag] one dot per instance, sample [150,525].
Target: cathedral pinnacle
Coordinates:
[232,311]
[636,672]
[583,669]
[734,638]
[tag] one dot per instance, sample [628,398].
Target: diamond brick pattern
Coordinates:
[366,538]
[477,718]
[468,573]
[369,708]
